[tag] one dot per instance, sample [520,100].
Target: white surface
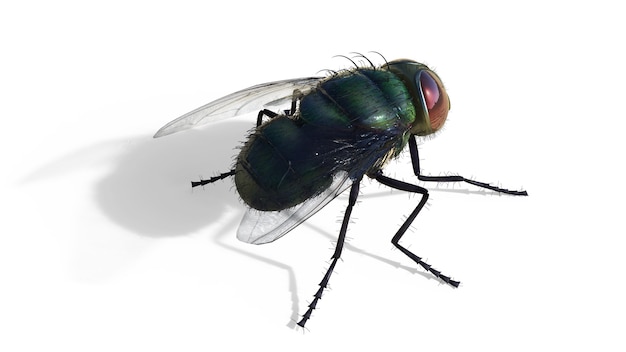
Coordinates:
[104,247]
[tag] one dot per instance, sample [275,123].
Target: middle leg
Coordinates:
[354,192]
[403,186]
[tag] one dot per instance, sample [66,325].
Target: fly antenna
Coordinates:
[354,63]
[381,55]
[363,56]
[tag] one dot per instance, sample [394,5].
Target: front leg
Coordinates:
[415,160]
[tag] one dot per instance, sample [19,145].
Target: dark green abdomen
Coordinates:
[280,166]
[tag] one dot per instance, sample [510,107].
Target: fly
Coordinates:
[339,129]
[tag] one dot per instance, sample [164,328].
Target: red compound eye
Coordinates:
[429,89]
[435,98]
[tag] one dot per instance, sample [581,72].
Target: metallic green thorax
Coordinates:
[366,98]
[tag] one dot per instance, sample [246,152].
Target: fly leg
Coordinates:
[259,120]
[297,95]
[354,192]
[212,179]
[268,113]
[403,186]
[416,168]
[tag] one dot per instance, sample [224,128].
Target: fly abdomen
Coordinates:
[280,166]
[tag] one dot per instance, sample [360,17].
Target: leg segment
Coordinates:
[268,113]
[354,192]
[416,168]
[403,186]
[213,179]
[297,95]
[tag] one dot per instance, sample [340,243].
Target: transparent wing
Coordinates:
[250,99]
[261,227]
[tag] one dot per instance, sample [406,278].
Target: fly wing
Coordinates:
[250,99]
[260,227]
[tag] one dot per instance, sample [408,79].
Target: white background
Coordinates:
[104,246]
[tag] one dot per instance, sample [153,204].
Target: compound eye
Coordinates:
[435,98]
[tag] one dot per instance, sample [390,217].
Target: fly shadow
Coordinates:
[148,191]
